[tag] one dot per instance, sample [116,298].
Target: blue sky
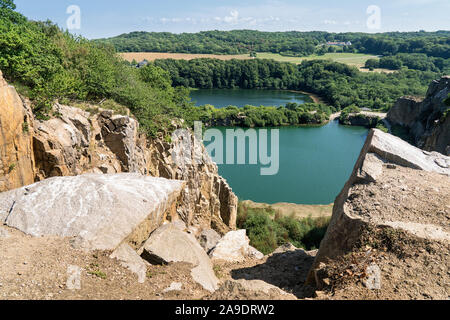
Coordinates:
[102,18]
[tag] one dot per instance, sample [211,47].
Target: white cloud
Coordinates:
[233,17]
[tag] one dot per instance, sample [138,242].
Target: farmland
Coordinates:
[352,59]
[151,56]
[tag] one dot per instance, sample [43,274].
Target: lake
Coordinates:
[314,162]
[221,98]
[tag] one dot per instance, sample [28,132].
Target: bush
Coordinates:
[50,65]
[268,230]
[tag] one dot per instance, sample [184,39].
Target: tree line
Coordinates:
[338,84]
[433,44]
[416,61]
[261,116]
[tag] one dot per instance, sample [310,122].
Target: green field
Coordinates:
[356,59]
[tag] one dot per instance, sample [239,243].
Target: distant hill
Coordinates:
[435,44]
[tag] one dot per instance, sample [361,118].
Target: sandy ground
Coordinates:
[38,269]
[299,210]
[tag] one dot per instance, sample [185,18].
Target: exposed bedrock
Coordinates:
[75,142]
[397,195]
[16,152]
[427,120]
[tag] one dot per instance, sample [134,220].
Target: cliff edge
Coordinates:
[389,235]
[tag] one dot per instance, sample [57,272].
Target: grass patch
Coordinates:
[94,270]
[342,57]
[98,273]
[25,127]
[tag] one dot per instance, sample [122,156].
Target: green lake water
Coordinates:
[314,162]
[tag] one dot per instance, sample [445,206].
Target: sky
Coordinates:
[106,18]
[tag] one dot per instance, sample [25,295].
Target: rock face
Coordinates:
[428,127]
[235,247]
[99,211]
[395,202]
[208,200]
[16,155]
[76,142]
[169,244]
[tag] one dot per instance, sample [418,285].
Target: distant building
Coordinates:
[143,63]
[341,44]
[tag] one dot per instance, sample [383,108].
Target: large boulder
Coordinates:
[235,247]
[16,152]
[169,244]
[99,211]
[393,208]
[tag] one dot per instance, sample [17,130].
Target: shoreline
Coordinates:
[314,97]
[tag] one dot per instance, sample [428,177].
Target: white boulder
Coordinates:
[235,247]
[169,244]
[99,211]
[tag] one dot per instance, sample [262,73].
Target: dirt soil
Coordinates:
[37,269]
[285,270]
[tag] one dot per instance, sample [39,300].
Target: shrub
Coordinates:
[268,230]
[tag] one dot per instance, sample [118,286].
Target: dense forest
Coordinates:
[338,84]
[49,65]
[433,44]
